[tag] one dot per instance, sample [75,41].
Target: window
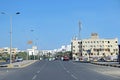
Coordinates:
[103,53]
[97,53]
[97,41]
[91,53]
[111,53]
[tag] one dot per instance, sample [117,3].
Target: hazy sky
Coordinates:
[52,23]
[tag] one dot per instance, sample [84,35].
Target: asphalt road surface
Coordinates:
[55,70]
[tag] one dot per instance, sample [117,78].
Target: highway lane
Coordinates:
[56,70]
[22,73]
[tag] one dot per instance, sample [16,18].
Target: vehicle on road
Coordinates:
[65,58]
[18,59]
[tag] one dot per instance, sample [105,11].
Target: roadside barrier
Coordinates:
[105,64]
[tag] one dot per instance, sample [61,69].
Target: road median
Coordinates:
[21,64]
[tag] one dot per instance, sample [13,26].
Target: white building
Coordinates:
[64,48]
[6,50]
[33,51]
[95,48]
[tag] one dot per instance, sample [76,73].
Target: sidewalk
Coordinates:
[22,64]
[112,64]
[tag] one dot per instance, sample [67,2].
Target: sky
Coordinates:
[52,23]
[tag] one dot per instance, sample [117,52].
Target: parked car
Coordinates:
[8,60]
[101,60]
[19,59]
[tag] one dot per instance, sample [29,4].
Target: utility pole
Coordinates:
[10,33]
[80,25]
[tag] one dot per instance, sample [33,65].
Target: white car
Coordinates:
[19,59]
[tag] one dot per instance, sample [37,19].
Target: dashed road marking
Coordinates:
[74,76]
[68,71]
[34,77]
[38,71]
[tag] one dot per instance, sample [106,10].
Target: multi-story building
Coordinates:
[33,51]
[6,50]
[95,48]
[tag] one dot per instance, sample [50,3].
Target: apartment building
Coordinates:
[95,48]
[33,51]
[6,50]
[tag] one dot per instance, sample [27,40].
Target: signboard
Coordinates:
[30,42]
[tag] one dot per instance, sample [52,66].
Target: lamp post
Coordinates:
[10,34]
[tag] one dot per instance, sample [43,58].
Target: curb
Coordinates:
[102,64]
[20,65]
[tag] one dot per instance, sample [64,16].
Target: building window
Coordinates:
[103,54]
[73,50]
[111,53]
[108,41]
[91,46]
[91,53]
[102,41]
[97,53]
[97,41]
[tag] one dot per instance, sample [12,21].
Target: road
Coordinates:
[56,70]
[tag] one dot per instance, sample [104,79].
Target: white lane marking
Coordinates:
[68,71]
[34,77]
[38,71]
[62,66]
[74,76]
[43,67]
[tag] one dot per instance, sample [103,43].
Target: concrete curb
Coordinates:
[104,64]
[21,64]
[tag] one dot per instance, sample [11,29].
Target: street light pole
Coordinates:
[10,35]
[10,39]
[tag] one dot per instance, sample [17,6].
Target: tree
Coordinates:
[22,54]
